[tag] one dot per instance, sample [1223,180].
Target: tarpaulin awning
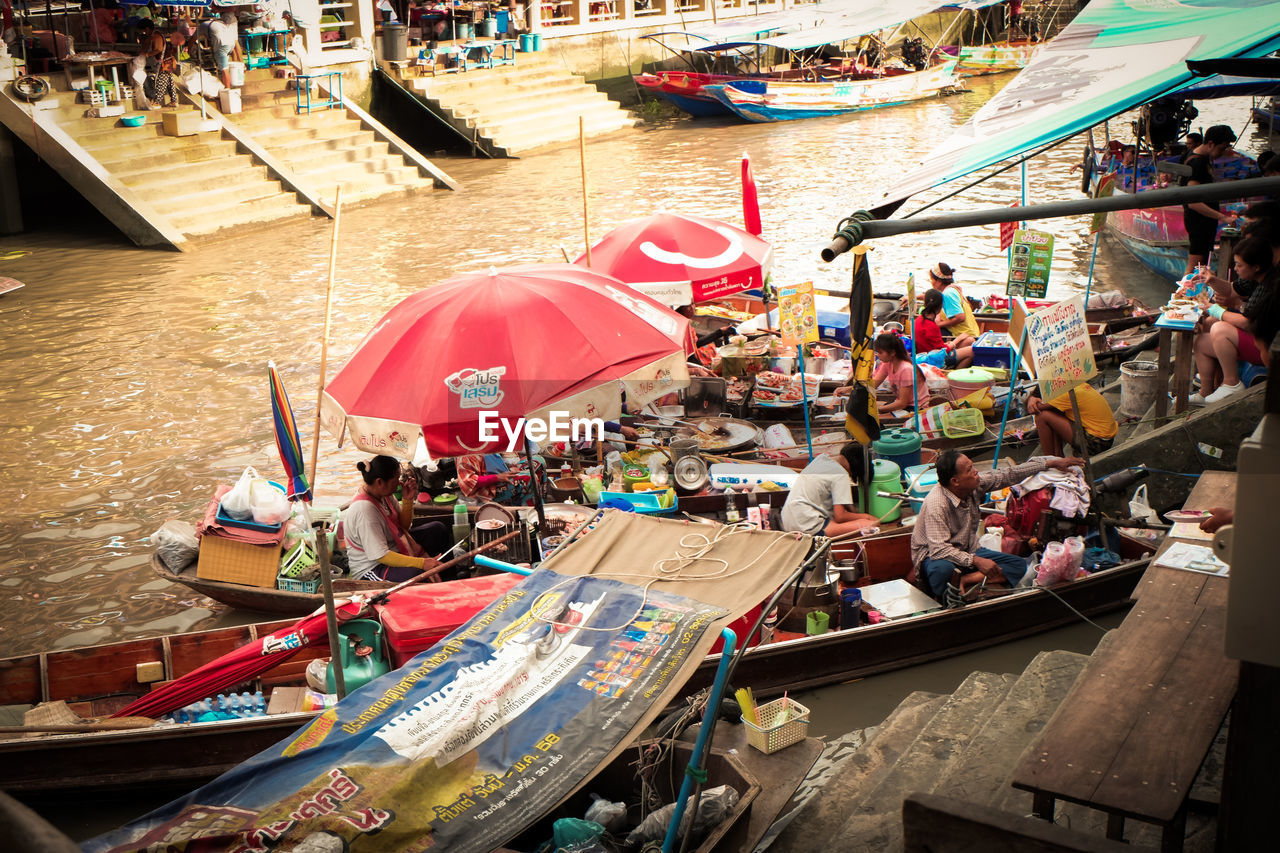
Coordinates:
[855,21]
[1115,55]
[479,736]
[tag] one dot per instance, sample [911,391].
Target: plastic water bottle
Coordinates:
[220,704]
[233,705]
[259,704]
[461,524]
[730,507]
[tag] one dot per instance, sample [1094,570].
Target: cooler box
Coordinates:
[418,617]
[992,349]
[832,325]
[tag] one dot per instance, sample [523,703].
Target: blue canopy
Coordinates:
[1116,55]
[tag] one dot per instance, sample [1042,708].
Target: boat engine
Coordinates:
[1165,120]
[914,54]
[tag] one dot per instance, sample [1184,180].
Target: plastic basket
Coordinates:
[782,722]
[295,585]
[299,560]
[642,502]
[963,423]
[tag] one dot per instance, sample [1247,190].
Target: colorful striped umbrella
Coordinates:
[287,438]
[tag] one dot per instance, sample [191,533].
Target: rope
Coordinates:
[698,774]
[697,544]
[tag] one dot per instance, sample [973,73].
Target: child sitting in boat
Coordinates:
[821,500]
[929,343]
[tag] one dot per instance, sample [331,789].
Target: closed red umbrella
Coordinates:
[237,666]
[462,362]
[683,259]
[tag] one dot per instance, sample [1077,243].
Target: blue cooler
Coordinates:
[899,445]
[920,481]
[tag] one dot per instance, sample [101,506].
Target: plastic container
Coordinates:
[133,121]
[886,477]
[782,722]
[503,18]
[900,446]
[461,523]
[850,608]
[920,481]
[992,349]
[248,523]
[235,70]
[395,42]
[962,383]
[817,622]
[487,28]
[537,42]
[734,475]
[645,503]
[417,617]
[1075,550]
[963,423]
[526,42]
[1139,386]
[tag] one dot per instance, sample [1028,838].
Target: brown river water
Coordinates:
[133,382]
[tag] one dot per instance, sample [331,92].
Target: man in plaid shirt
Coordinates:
[944,542]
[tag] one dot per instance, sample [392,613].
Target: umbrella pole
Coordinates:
[331,615]
[324,341]
[537,492]
[586,227]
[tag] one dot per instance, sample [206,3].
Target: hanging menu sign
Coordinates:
[1059,348]
[797,314]
[1029,264]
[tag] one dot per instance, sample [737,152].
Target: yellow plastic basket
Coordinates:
[782,722]
[963,423]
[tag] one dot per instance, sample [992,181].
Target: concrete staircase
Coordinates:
[511,110]
[199,184]
[324,148]
[963,746]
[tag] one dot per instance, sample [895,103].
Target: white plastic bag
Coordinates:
[236,503]
[1138,506]
[176,543]
[268,504]
[993,538]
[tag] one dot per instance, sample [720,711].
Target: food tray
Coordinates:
[782,722]
[963,423]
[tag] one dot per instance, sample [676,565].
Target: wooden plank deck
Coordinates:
[1132,734]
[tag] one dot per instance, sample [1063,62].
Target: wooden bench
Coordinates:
[1131,736]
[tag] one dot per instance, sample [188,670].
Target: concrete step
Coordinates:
[818,823]
[981,774]
[179,149]
[211,148]
[288,137]
[257,85]
[207,221]
[456,84]
[552,87]
[325,170]
[170,204]
[875,822]
[560,103]
[288,109]
[521,143]
[99,129]
[599,117]
[264,123]
[206,176]
[342,148]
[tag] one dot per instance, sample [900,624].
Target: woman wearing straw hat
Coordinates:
[957,314]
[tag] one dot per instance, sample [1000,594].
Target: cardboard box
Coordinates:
[237,562]
[182,123]
[286,700]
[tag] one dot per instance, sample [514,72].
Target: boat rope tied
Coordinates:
[699,774]
[850,228]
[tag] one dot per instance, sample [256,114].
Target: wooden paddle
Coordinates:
[117,724]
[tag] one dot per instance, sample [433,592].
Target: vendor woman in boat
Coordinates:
[499,477]
[381,540]
[957,315]
[821,501]
[897,367]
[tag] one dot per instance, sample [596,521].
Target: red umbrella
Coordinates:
[683,259]
[237,666]
[492,348]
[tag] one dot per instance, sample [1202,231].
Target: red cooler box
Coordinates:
[419,616]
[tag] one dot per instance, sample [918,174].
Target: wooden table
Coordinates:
[1183,335]
[89,61]
[1130,737]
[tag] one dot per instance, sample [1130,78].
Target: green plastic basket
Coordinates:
[963,423]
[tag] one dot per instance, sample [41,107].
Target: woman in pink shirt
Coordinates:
[896,366]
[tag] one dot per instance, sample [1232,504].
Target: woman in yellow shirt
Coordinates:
[957,315]
[1054,420]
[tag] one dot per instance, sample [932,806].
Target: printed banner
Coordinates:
[464,746]
[797,314]
[1058,340]
[1029,261]
[1007,230]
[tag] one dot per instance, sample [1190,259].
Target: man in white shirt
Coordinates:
[224,35]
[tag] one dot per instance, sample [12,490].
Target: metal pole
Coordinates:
[804,396]
[324,341]
[862,226]
[586,219]
[1013,383]
[331,615]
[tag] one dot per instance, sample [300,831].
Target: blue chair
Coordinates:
[1252,374]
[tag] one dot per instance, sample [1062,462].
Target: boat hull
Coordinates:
[995,58]
[1156,238]
[783,100]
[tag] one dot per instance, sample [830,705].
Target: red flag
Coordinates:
[750,202]
[1006,232]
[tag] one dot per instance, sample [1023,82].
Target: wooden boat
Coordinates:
[769,100]
[997,57]
[261,599]
[99,680]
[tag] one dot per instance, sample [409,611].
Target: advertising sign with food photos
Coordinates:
[798,315]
